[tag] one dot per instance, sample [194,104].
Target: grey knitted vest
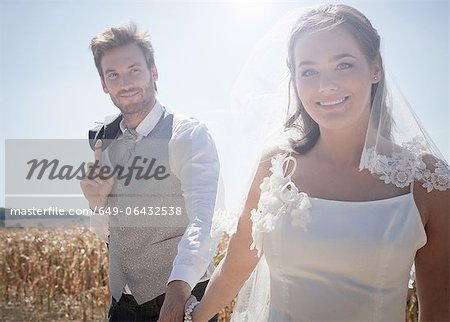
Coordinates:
[147,219]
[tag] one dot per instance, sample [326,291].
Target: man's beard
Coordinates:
[136,107]
[133,108]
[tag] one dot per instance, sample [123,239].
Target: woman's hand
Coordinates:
[187,310]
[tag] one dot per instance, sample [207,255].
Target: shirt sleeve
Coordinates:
[193,159]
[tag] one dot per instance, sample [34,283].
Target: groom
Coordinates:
[155,209]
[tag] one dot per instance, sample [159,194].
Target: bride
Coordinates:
[336,217]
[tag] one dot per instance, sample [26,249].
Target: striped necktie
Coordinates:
[123,147]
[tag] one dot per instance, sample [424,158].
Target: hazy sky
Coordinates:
[49,87]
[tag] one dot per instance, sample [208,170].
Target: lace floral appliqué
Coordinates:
[402,168]
[279,197]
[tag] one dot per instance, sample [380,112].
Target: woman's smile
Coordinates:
[332,103]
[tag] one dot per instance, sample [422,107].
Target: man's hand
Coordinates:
[177,294]
[95,189]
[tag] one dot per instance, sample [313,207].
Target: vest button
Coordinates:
[124,248]
[125,269]
[122,228]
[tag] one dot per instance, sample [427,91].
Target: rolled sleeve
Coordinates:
[193,159]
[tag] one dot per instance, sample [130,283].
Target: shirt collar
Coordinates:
[149,122]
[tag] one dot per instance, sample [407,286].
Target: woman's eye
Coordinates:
[344,66]
[309,72]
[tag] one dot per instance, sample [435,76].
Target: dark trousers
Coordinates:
[127,308]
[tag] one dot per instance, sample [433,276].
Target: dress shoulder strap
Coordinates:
[288,170]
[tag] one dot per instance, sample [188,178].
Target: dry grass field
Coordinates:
[53,275]
[62,275]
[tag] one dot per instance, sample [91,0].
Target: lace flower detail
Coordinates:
[401,168]
[279,197]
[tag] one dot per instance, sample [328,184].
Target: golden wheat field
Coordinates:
[62,275]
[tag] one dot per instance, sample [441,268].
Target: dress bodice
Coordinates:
[336,260]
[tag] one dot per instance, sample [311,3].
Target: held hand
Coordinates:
[177,294]
[189,307]
[96,188]
[190,300]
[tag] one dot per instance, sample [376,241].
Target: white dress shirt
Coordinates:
[198,174]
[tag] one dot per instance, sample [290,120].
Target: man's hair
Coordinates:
[121,36]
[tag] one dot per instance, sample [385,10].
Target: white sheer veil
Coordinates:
[260,104]
[257,111]
[397,149]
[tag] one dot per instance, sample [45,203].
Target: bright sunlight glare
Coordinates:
[252,9]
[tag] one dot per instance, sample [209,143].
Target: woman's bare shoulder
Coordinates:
[433,205]
[265,163]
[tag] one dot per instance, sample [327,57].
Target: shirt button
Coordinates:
[125,269]
[122,228]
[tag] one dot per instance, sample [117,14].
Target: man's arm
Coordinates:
[96,191]
[193,159]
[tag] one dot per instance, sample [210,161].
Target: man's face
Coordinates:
[128,80]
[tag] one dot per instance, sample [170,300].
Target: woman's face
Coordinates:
[333,78]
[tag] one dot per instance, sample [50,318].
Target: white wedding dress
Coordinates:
[330,260]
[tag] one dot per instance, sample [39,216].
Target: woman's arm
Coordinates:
[239,261]
[432,260]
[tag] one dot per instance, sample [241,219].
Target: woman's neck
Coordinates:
[342,148]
